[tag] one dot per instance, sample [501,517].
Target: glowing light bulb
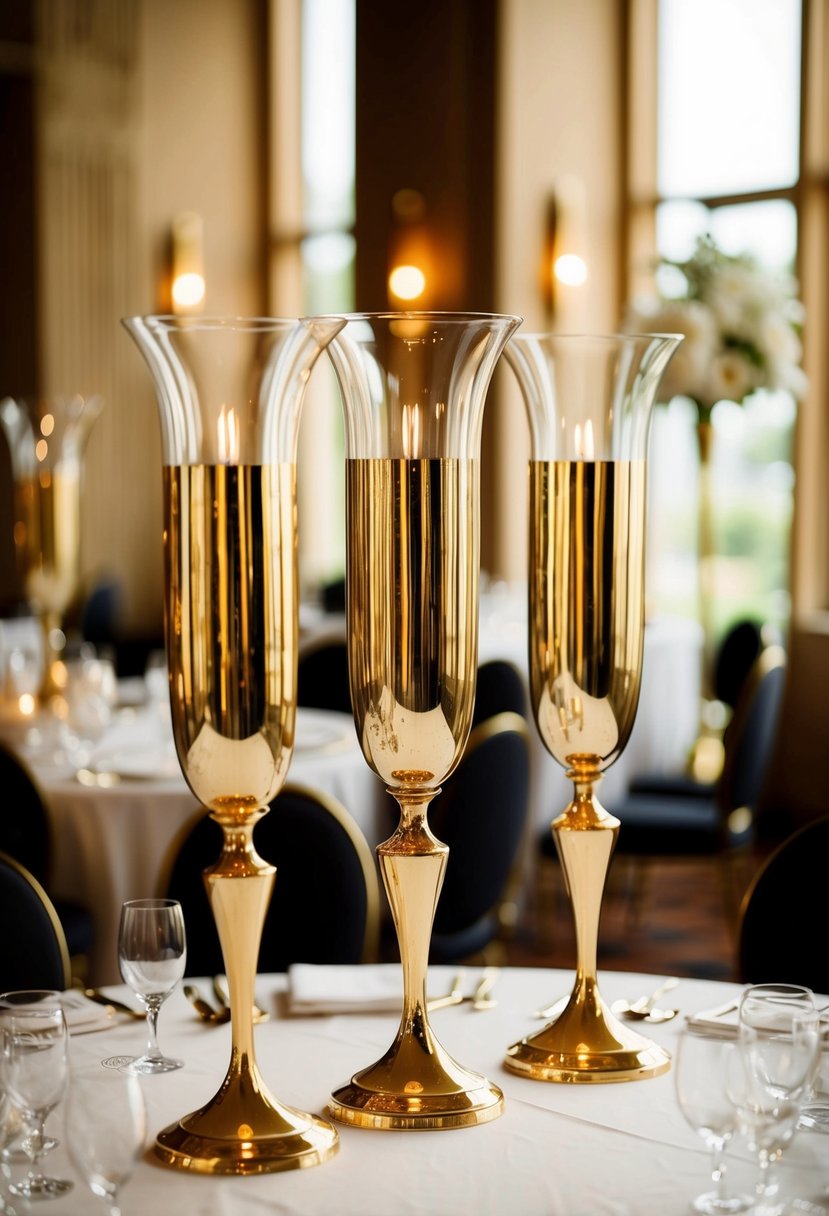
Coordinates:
[407,282]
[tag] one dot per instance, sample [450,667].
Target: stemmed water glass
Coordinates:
[700,1069]
[773,1070]
[151,956]
[106,1129]
[34,1068]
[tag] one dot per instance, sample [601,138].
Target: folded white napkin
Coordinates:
[721,1020]
[83,1015]
[372,988]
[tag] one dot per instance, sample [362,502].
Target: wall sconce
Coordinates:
[409,280]
[565,266]
[187,263]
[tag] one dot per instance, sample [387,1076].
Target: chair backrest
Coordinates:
[33,950]
[482,816]
[24,822]
[738,651]
[782,912]
[326,901]
[500,689]
[322,675]
[751,733]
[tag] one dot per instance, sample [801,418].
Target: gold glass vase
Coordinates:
[47,438]
[589,403]
[414,387]
[230,394]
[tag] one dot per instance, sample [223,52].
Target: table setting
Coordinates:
[557,1150]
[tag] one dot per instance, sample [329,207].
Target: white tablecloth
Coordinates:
[112,843]
[558,1150]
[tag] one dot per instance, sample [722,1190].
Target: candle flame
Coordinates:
[583,441]
[228,436]
[411,432]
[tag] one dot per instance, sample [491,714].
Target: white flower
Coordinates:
[740,324]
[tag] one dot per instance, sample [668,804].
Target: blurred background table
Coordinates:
[558,1150]
[114,829]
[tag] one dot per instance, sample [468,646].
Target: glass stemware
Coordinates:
[413,386]
[14,1000]
[776,1062]
[230,394]
[152,954]
[589,401]
[47,438]
[34,1067]
[106,1129]
[700,1070]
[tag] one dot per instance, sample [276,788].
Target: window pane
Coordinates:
[328,102]
[767,230]
[729,95]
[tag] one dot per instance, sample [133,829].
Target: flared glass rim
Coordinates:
[586,336]
[416,315]
[258,324]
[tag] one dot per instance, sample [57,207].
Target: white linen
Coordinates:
[558,1150]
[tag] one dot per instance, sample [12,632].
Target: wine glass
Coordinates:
[776,1061]
[151,956]
[106,1129]
[35,1066]
[414,386]
[589,401]
[11,1126]
[24,998]
[700,1069]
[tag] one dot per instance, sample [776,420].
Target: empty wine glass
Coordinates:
[773,1070]
[106,1129]
[11,1126]
[700,1067]
[34,1067]
[12,1151]
[151,955]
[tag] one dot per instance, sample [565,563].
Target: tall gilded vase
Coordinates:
[414,387]
[589,402]
[230,395]
[47,438]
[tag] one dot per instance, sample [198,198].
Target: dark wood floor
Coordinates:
[675,923]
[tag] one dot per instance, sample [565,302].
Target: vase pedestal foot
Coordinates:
[587,1043]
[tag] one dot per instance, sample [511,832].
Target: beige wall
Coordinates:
[559,119]
[196,143]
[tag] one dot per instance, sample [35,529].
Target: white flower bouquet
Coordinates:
[742,328]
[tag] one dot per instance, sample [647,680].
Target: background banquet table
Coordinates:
[114,841]
[558,1150]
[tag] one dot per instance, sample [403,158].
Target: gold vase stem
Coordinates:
[586,1042]
[705,554]
[416,1085]
[243,1129]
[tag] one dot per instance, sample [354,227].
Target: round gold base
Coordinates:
[187,1146]
[382,1111]
[587,1044]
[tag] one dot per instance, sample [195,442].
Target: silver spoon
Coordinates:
[643,1006]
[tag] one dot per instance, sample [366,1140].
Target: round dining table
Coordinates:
[557,1149]
[118,817]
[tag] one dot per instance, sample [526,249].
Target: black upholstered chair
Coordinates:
[782,913]
[659,825]
[325,904]
[322,675]
[33,950]
[26,835]
[482,816]
[500,689]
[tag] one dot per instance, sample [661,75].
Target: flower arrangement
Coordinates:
[742,328]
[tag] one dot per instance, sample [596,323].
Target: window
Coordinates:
[312,64]
[723,157]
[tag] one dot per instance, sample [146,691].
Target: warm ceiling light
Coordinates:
[407,282]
